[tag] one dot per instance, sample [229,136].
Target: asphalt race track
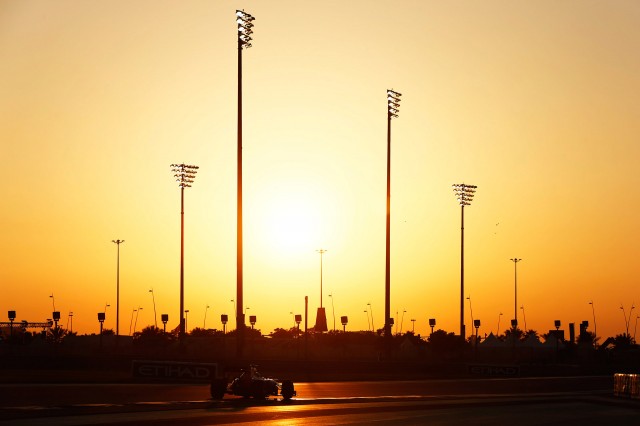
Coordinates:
[559,400]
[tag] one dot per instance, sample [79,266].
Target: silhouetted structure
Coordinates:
[245,23]
[393,105]
[464,194]
[184,174]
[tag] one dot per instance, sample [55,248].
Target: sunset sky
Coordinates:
[536,103]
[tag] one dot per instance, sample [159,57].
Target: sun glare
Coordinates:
[291,225]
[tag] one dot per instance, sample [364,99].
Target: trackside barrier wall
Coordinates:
[626,385]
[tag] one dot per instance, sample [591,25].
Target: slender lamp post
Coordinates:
[186,317]
[184,174]
[321,317]
[627,321]
[524,317]
[56,314]
[131,322]
[515,261]
[245,23]
[204,324]
[135,323]
[464,194]
[333,310]
[71,318]
[118,242]
[595,327]
[393,105]
[368,321]
[373,327]
[470,308]
[321,251]
[155,316]
[499,316]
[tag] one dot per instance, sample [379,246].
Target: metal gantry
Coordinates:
[184,174]
[464,194]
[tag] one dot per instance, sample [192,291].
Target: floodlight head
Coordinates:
[393,103]
[184,174]
[244,21]
[464,193]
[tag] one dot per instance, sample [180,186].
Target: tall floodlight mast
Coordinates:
[464,194]
[245,25]
[393,108]
[515,261]
[184,174]
[117,242]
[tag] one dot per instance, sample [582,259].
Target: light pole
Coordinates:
[186,317]
[71,318]
[118,242]
[155,316]
[135,324]
[524,317]
[56,314]
[557,324]
[464,194]
[333,311]
[402,320]
[373,327]
[499,316]
[396,322]
[106,305]
[321,251]
[470,308]
[393,105]
[131,322]
[245,23]
[515,261]
[595,327]
[413,326]
[626,322]
[368,321]
[204,324]
[184,174]
[321,317]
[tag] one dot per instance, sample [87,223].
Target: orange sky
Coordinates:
[536,103]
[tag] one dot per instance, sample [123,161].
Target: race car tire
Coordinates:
[218,387]
[287,390]
[257,390]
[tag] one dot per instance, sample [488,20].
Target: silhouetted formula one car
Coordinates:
[253,384]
